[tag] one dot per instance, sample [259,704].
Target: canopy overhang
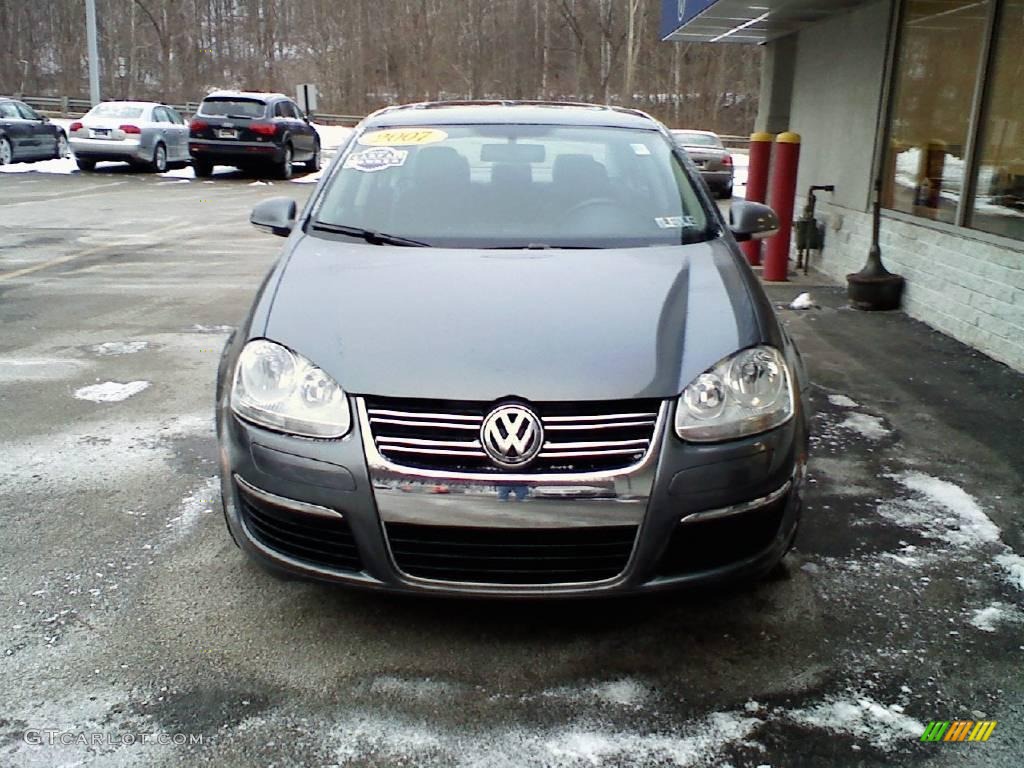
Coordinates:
[743,21]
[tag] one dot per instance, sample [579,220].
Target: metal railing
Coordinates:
[63,106]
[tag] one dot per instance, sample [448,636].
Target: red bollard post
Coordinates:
[783,200]
[757,185]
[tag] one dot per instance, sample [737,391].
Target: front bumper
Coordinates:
[686,514]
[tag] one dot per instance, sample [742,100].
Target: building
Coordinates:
[926,96]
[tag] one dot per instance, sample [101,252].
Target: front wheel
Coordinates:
[726,194]
[313,164]
[284,169]
[202,169]
[6,151]
[159,162]
[85,165]
[63,148]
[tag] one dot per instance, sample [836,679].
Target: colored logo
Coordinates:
[958,730]
[376,159]
[402,137]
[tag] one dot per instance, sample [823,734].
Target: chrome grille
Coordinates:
[579,436]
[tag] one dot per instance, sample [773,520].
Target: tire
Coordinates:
[159,162]
[63,148]
[726,194]
[85,165]
[6,151]
[284,168]
[202,169]
[313,164]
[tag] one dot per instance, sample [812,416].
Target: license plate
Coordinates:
[700,163]
[100,133]
[227,133]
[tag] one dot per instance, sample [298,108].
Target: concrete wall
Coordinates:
[837,90]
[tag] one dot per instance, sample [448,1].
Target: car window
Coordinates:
[298,111]
[284,109]
[175,118]
[27,112]
[233,107]
[697,139]
[8,110]
[160,115]
[115,110]
[480,186]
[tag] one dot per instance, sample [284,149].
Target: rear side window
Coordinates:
[285,109]
[8,110]
[245,108]
[27,112]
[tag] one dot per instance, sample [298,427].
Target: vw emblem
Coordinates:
[512,436]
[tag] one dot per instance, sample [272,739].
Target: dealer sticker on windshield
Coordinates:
[675,222]
[403,137]
[376,159]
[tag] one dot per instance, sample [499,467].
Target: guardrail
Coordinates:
[63,106]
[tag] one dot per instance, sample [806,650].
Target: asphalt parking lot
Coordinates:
[126,611]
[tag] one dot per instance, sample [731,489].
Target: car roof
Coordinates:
[142,104]
[511,112]
[244,94]
[692,130]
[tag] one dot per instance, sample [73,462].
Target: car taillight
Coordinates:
[130,129]
[263,129]
[75,127]
[727,160]
[198,125]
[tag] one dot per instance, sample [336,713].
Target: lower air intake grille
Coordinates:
[705,546]
[511,556]
[314,539]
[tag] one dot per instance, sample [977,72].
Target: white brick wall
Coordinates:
[969,289]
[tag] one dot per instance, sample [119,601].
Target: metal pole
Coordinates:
[94,55]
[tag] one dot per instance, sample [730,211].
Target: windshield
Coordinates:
[115,110]
[237,107]
[697,139]
[515,186]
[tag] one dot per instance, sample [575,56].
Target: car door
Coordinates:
[287,113]
[179,129]
[42,135]
[162,125]
[16,128]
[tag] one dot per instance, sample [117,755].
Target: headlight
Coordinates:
[745,394]
[276,388]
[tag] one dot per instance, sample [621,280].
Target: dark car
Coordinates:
[261,131]
[711,158]
[25,135]
[538,308]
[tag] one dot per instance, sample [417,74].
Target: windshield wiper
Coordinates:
[369,235]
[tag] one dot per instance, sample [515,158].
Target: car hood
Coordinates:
[542,325]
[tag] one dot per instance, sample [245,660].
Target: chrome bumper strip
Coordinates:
[735,509]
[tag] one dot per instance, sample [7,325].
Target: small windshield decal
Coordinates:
[640,149]
[675,222]
[376,159]
[407,137]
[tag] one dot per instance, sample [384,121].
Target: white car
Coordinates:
[142,133]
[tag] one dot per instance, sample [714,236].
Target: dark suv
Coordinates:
[252,130]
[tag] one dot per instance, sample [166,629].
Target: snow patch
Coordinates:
[111,391]
[197,328]
[871,427]
[963,522]
[1013,565]
[63,166]
[119,347]
[862,717]
[192,508]
[986,619]
[843,401]
[803,301]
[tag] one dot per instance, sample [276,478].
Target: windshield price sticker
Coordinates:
[376,159]
[675,222]
[407,137]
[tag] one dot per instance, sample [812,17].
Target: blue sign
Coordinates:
[676,13]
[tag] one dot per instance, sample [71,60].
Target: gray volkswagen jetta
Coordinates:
[512,349]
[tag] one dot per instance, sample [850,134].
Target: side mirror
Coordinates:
[276,215]
[752,221]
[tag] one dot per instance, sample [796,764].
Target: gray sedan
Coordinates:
[142,133]
[512,350]
[711,158]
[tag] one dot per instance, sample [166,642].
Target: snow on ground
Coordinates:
[740,168]
[948,511]
[111,391]
[119,347]
[863,717]
[1013,568]
[866,425]
[987,619]
[843,401]
[332,136]
[193,507]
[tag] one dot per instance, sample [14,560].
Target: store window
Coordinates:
[940,51]
[998,205]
